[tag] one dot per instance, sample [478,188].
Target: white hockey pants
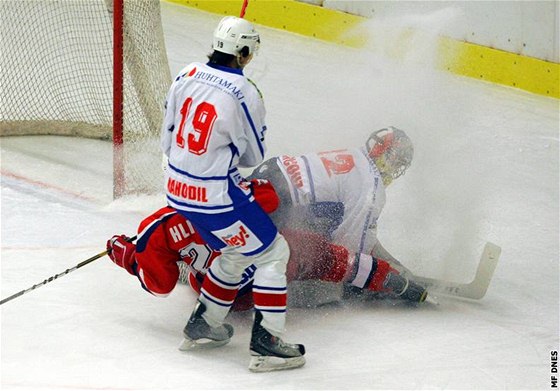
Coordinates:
[269,279]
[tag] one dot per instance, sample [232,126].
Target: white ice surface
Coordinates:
[485,169]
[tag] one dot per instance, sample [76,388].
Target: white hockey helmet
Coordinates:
[392,151]
[233,34]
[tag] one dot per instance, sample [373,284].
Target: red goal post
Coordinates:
[88,68]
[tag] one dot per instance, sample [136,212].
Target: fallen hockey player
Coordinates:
[340,194]
[167,243]
[314,212]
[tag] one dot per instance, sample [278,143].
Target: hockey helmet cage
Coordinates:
[392,151]
[233,34]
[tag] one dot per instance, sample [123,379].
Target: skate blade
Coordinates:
[200,344]
[271,363]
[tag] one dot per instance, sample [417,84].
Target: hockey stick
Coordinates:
[476,289]
[79,265]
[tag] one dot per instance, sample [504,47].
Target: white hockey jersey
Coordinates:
[214,122]
[344,177]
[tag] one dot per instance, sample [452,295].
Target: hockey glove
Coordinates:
[388,280]
[122,253]
[265,194]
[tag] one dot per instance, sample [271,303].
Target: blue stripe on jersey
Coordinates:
[266,241]
[366,223]
[144,236]
[225,69]
[364,231]
[234,152]
[238,197]
[259,141]
[187,205]
[310,176]
[209,178]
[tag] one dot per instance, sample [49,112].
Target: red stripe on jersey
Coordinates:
[218,292]
[270,299]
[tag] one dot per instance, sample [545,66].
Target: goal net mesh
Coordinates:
[56,77]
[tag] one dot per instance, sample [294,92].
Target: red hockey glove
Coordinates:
[380,275]
[265,195]
[122,252]
[388,280]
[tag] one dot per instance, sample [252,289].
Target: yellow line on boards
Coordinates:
[461,58]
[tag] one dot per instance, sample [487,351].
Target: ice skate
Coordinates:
[271,353]
[200,335]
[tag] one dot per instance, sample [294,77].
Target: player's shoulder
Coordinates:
[252,85]
[365,164]
[165,212]
[252,98]
[188,71]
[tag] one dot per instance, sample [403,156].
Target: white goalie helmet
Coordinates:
[392,151]
[233,34]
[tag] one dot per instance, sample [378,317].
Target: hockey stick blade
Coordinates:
[477,288]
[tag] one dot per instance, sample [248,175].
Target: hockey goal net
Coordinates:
[62,72]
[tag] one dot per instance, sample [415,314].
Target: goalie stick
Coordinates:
[476,289]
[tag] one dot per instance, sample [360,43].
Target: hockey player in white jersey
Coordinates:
[341,194]
[214,123]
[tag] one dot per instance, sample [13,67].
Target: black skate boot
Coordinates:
[270,353]
[199,334]
[404,288]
